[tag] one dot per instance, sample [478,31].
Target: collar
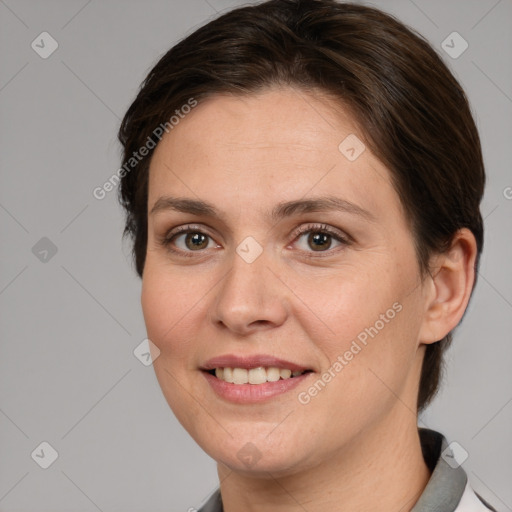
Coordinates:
[446,485]
[444,489]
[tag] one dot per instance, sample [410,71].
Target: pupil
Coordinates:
[320,241]
[196,241]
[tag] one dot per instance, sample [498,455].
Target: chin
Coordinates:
[257,456]
[266,468]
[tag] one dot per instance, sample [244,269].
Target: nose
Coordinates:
[250,298]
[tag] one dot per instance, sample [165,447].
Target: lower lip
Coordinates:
[252,393]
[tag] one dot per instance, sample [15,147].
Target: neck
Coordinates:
[382,468]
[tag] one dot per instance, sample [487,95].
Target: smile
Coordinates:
[255,376]
[251,379]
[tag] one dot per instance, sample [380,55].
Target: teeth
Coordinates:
[240,376]
[254,375]
[285,374]
[273,374]
[228,375]
[257,376]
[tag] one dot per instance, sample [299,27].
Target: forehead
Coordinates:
[279,144]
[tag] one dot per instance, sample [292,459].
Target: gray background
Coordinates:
[70,324]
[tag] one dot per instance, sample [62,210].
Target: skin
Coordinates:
[344,450]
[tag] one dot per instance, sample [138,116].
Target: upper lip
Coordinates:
[248,362]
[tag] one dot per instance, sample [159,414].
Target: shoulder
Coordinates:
[448,489]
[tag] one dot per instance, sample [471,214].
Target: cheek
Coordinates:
[169,303]
[345,305]
[171,313]
[365,326]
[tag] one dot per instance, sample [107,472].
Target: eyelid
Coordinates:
[342,237]
[183,229]
[166,239]
[323,228]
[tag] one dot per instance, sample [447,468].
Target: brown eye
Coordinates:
[195,241]
[188,240]
[319,241]
[320,238]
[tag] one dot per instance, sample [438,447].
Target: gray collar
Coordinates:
[446,485]
[443,491]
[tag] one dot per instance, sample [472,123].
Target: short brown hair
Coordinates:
[412,112]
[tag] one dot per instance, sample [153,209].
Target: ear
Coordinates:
[449,287]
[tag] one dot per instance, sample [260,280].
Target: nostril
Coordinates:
[260,322]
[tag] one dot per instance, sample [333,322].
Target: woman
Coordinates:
[302,181]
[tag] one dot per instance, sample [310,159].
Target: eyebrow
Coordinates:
[280,211]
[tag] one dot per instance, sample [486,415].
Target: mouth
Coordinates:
[255,376]
[251,379]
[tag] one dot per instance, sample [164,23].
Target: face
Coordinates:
[283,252]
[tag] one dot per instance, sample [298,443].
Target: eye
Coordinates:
[193,241]
[319,238]
[187,239]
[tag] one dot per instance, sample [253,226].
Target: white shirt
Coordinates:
[470,502]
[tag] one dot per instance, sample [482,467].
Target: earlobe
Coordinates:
[451,284]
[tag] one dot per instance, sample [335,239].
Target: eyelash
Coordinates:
[322,229]
[166,240]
